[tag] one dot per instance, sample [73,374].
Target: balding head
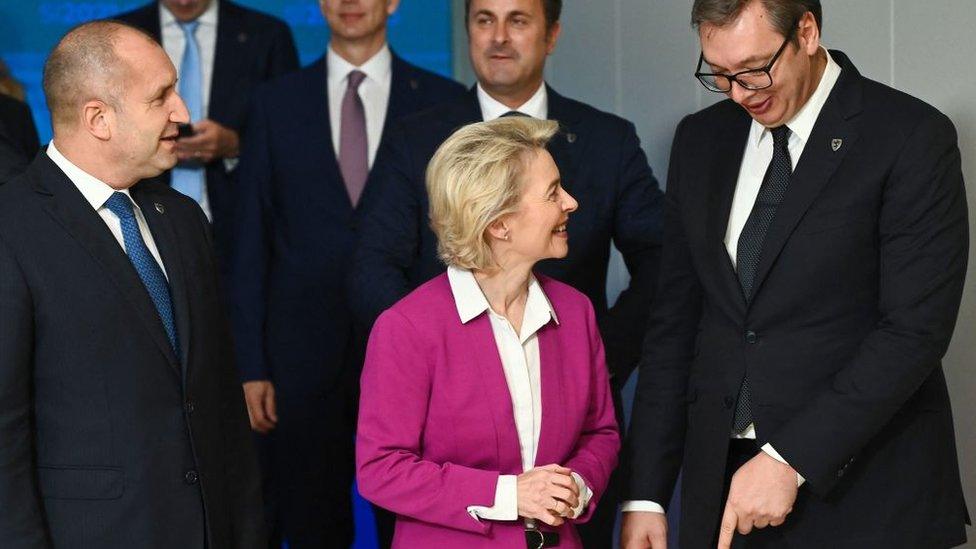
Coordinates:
[86,65]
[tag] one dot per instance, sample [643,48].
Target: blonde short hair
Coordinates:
[475,178]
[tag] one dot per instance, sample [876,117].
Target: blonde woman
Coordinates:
[485,417]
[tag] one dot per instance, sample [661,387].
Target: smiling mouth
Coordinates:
[561,229]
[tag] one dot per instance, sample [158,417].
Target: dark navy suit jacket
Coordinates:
[252,47]
[18,137]
[296,229]
[602,166]
[109,438]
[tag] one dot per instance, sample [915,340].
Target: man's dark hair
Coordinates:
[783,14]
[552,9]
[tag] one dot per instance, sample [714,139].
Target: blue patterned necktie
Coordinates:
[149,270]
[189,180]
[749,249]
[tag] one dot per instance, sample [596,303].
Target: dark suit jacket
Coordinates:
[252,47]
[296,229]
[109,440]
[855,300]
[18,137]
[602,166]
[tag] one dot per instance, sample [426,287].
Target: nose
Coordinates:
[569,203]
[739,94]
[500,36]
[179,113]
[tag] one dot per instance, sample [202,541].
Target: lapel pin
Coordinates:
[414,84]
[242,37]
[571,137]
[159,207]
[836,143]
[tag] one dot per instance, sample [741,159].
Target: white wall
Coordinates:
[636,58]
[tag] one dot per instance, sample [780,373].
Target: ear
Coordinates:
[498,229]
[808,34]
[98,119]
[391,6]
[552,36]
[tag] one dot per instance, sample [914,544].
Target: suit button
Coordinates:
[191,477]
[190,408]
[751,337]
[729,402]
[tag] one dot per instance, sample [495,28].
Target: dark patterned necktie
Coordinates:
[750,245]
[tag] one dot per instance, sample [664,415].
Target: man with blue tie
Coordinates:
[305,169]
[122,420]
[221,51]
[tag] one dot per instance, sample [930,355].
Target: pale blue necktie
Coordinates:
[189,180]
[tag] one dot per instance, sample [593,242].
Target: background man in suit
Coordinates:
[815,250]
[601,164]
[122,421]
[222,51]
[311,140]
[18,137]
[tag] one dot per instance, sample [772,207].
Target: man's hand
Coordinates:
[210,140]
[547,493]
[260,399]
[762,494]
[644,530]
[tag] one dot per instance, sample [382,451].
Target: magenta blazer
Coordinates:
[436,426]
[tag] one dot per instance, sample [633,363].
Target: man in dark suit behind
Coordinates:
[311,139]
[600,162]
[236,49]
[18,137]
[122,421]
[816,240]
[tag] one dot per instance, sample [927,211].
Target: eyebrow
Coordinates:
[516,13]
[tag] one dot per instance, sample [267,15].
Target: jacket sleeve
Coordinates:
[923,234]
[595,454]
[389,234]
[638,203]
[390,468]
[655,442]
[21,521]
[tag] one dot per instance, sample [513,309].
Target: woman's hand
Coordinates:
[547,493]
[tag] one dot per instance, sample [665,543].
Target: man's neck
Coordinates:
[358,52]
[818,66]
[91,162]
[512,98]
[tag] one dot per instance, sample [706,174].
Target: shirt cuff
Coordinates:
[506,502]
[585,494]
[768,448]
[640,505]
[230,164]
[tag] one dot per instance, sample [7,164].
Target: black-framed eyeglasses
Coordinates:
[752,79]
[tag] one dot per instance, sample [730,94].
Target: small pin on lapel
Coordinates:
[836,143]
[159,207]
[571,137]
[242,37]
[414,84]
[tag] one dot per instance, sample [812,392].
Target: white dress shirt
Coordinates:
[537,106]
[97,192]
[758,154]
[519,353]
[374,91]
[174,42]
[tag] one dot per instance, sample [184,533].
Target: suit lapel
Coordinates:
[157,211]
[553,408]
[729,147]
[815,168]
[70,209]
[314,100]
[566,146]
[481,341]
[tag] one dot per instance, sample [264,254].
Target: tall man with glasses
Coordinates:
[600,161]
[816,245]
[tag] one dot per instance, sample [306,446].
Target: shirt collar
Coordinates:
[471,301]
[537,106]
[378,68]
[95,191]
[802,123]
[208,17]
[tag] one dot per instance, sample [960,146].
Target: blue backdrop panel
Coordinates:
[420,31]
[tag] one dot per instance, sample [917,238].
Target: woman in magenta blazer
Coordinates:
[485,418]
